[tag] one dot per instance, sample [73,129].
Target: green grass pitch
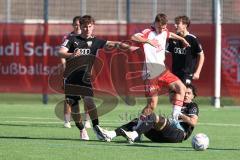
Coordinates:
[30,130]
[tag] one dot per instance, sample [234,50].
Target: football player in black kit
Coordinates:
[160,129]
[80,52]
[187,62]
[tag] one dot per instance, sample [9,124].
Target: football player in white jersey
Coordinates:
[155,74]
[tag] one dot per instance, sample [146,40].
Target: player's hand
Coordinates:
[185,43]
[196,76]
[133,48]
[76,53]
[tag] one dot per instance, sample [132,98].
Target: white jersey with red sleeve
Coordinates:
[154,57]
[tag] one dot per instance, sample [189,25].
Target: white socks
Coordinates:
[134,134]
[112,134]
[176,111]
[67,117]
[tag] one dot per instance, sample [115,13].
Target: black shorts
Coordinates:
[75,86]
[185,78]
[168,135]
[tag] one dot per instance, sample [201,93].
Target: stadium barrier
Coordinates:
[29,55]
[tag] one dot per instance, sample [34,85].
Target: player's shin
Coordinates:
[177,106]
[75,113]
[67,112]
[92,110]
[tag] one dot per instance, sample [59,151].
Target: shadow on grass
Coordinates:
[58,125]
[145,144]
[180,148]
[224,149]
[45,138]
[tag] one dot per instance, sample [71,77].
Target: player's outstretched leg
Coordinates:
[101,133]
[130,136]
[144,127]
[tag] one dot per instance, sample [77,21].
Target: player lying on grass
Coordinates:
[160,129]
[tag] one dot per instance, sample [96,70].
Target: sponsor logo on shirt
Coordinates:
[84,51]
[180,50]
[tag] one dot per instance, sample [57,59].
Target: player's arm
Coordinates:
[121,45]
[169,47]
[140,39]
[63,53]
[200,61]
[191,119]
[175,36]
[63,61]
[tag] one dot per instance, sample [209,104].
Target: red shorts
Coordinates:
[160,84]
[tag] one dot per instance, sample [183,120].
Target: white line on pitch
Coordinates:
[27,118]
[118,123]
[45,118]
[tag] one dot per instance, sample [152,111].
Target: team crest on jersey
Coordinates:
[89,43]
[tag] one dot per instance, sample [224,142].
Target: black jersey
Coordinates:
[68,35]
[172,134]
[87,46]
[184,60]
[88,49]
[189,109]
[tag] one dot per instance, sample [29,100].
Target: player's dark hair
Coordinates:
[87,19]
[162,18]
[76,18]
[184,19]
[193,88]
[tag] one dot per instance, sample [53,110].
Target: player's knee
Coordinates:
[88,101]
[147,111]
[160,123]
[71,102]
[150,108]
[181,88]
[152,118]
